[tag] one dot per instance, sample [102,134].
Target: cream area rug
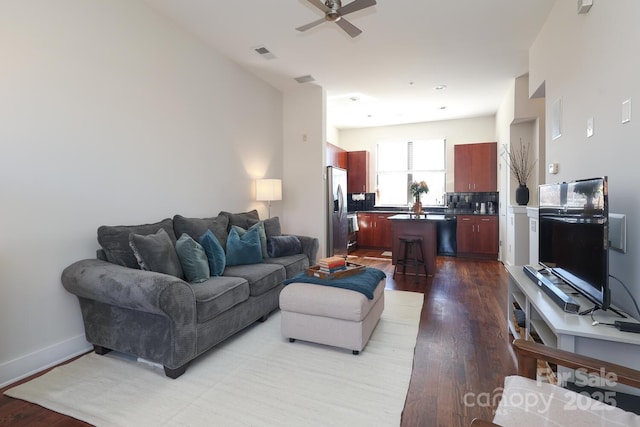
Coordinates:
[256,378]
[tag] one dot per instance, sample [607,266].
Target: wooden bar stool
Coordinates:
[410,243]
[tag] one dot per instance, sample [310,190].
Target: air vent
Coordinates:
[305,79]
[264,52]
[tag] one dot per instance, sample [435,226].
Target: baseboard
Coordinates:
[32,363]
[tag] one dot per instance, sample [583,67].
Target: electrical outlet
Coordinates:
[553,168]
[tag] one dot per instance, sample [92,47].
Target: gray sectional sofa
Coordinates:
[135,299]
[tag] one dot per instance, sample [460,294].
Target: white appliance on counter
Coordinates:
[337,226]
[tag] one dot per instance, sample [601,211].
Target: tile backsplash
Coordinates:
[466,202]
[360,201]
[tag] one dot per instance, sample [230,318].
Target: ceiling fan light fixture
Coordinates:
[334,12]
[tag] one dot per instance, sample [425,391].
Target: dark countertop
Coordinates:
[474,214]
[422,217]
[429,211]
[402,209]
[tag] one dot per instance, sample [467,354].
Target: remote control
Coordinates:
[627,326]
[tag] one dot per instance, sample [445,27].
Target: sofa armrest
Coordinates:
[310,247]
[128,288]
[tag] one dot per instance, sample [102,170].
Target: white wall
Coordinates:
[519,118]
[110,114]
[333,135]
[304,184]
[504,118]
[462,131]
[589,61]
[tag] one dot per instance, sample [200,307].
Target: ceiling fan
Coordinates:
[334,12]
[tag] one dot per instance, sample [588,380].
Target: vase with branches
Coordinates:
[521,165]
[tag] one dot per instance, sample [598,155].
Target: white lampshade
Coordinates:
[268,189]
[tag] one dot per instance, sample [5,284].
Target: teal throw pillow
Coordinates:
[245,249]
[261,232]
[215,253]
[193,259]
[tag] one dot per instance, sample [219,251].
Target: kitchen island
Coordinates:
[424,226]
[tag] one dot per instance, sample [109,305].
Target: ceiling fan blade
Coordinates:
[320,5]
[351,29]
[311,25]
[355,6]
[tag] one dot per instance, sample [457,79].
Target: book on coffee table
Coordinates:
[350,269]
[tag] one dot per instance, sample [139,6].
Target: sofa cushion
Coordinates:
[114,240]
[215,253]
[271,226]
[219,294]
[261,277]
[263,237]
[245,249]
[293,264]
[196,227]
[241,219]
[156,252]
[278,246]
[193,259]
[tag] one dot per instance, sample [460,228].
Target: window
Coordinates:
[399,163]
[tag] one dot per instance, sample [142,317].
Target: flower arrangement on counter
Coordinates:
[417,188]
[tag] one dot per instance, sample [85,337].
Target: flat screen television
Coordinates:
[573,234]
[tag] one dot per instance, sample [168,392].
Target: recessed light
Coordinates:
[349,97]
[440,87]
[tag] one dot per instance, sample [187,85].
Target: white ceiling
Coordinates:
[474,47]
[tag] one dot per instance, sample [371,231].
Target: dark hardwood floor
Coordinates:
[463,350]
[461,358]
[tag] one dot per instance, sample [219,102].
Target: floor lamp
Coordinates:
[268,190]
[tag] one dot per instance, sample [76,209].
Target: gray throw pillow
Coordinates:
[156,252]
[114,240]
[279,246]
[241,219]
[271,226]
[196,227]
[193,259]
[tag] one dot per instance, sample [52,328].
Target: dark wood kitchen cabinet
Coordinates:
[357,171]
[336,156]
[477,236]
[374,230]
[475,167]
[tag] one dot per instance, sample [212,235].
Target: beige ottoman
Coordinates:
[328,315]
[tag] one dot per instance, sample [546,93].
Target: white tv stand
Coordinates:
[567,331]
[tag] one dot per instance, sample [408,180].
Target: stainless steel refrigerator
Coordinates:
[337,226]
